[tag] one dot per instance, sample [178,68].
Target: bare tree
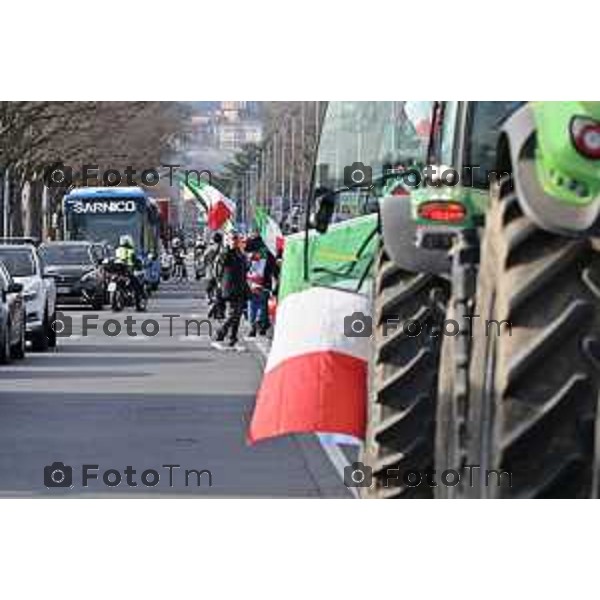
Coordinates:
[110,135]
[283,162]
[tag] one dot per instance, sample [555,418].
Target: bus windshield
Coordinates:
[105,227]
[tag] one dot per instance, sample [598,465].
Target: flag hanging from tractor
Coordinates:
[315,379]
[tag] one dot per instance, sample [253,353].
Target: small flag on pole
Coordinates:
[220,208]
[269,231]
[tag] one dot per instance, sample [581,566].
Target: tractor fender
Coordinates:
[516,153]
[399,234]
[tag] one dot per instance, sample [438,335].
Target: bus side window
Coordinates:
[144,235]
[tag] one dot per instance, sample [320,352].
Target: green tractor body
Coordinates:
[517,249]
[553,152]
[525,406]
[568,149]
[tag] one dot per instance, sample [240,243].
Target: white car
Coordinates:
[39,291]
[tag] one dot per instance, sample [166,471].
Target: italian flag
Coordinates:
[269,230]
[315,379]
[219,208]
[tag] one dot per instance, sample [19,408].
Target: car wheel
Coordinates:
[18,350]
[5,345]
[98,301]
[51,331]
[39,340]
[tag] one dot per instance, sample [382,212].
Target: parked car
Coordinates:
[77,271]
[22,260]
[12,318]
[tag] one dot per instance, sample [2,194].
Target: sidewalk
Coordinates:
[341,450]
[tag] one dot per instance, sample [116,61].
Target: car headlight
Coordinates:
[30,295]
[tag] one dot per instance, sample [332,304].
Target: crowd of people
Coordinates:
[242,276]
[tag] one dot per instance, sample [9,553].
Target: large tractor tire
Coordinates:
[534,385]
[403,381]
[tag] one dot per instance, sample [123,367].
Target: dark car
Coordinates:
[77,271]
[12,318]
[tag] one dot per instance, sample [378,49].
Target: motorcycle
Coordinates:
[121,292]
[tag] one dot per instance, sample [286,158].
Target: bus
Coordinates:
[104,214]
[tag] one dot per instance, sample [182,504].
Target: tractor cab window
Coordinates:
[445,149]
[415,124]
[484,122]
[359,141]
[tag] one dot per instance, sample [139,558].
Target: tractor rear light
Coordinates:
[585,134]
[446,212]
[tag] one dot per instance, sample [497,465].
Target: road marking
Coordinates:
[193,338]
[333,452]
[338,460]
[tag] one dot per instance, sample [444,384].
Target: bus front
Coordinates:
[103,215]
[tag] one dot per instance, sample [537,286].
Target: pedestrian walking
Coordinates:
[212,262]
[234,290]
[271,281]
[257,304]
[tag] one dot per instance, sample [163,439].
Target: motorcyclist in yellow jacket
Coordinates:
[126,251]
[126,254]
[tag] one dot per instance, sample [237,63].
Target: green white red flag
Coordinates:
[315,380]
[269,230]
[219,208]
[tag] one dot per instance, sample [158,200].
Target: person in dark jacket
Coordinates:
[271,275]
[212,258]
[232,270]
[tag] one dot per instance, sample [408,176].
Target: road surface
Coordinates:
[145,402]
